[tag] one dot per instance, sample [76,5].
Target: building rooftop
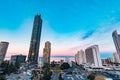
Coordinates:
[4,42]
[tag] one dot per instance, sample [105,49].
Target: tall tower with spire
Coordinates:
[35,40]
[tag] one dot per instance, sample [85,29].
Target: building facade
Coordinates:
[35,40]
[116,57]
[40,62]
[80,57]
[107,61]
[116,39]
[3,50]
[18,59]
[47,52]
[93,56]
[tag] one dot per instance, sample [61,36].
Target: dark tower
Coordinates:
[35,40]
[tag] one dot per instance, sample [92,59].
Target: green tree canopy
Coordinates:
[64,66]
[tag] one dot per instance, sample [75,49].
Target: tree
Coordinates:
[64,66]
[41,78]
[17,65]
[8,68]
[53,64]
[46,65]
[2,77]
[91,76]
[60,77]
[46,72]
[34,73]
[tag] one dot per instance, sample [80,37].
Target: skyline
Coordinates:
[69,25]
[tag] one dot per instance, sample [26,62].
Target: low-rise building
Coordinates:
[107,61]
[18,59]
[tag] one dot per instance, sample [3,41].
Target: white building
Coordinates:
[80,57]
[93,56]
[40,62]
[3,50]
[116,57]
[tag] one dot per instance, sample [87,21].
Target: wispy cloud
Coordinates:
[101,36]
[88,34]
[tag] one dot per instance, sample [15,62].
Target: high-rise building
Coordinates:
[47,52]
[116,57]
[35,40]
[18,59]
[116,39]
[80,57]
[93,56]
[3,50]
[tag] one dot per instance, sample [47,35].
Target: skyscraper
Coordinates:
[116,39]
[46,52]
[80,57]
[35,40]
[93,56]
[116,57]
[3,50]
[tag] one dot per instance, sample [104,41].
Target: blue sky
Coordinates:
[70,25]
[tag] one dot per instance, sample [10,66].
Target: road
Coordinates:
[55,76]
[74,73]
[20,76]
[72,77]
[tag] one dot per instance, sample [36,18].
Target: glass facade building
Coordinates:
[35,40]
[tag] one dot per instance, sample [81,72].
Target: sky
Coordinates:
[70,25]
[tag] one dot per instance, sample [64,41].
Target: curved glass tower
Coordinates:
[35,40]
